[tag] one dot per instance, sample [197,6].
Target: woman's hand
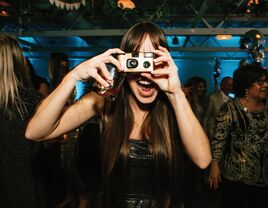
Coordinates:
[214,175]
[165,74]
[96,68]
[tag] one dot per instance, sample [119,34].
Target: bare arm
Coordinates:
[52,119]
[192,134]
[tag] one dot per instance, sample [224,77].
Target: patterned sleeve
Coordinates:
[223,127]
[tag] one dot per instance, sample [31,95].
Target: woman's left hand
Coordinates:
[165,74]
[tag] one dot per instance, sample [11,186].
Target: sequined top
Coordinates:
[139,186]
[241,144]
[139,191]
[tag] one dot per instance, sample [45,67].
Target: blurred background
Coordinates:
[207,38]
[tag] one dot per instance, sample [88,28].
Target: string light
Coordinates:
[3,13]
[224,37]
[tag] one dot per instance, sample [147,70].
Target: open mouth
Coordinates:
[145,84]
[264,92]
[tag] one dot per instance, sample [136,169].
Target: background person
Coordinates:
[38,82]
[240,145]
[58,67]
[196,88]
[215,100]
[20,184]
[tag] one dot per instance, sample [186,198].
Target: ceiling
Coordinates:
[99,24]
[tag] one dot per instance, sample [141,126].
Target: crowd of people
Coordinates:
[159,144]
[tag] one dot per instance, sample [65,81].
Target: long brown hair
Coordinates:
[159,127]
[58,67]
[13,76]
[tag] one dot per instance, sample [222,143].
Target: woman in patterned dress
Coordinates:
[240,144]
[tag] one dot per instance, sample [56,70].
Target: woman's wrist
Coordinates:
[176,95]
[74,75]
[214,162]
[71,78]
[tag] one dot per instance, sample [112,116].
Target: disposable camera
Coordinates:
[137,62]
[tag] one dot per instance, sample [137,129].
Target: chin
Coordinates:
[145,99]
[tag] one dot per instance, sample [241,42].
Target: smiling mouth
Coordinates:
[263,90]
[145,84]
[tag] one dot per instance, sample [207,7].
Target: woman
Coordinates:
[141,130]
[196,88]
[38,82]
[19,182]
[240,145]
[58,67]
[59,174]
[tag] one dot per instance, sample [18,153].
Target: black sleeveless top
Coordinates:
[139,182]
[140,178]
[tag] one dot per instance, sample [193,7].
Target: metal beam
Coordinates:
[172,49]
[120,32]
[175,57]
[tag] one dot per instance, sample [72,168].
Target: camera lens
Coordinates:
[132,63]
[146,64]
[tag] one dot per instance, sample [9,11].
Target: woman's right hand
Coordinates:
[96,68]
[214,175]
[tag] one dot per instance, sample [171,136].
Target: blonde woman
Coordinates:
[18,101]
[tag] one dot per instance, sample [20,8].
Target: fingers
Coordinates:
[213,183]
[113,51]
[210,183]
[101,72]
[104,71]
[163,49]
[216,184]
[107,57]
[100,79]
[111,59]
[162,57]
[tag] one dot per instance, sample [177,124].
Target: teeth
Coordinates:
[144,82]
